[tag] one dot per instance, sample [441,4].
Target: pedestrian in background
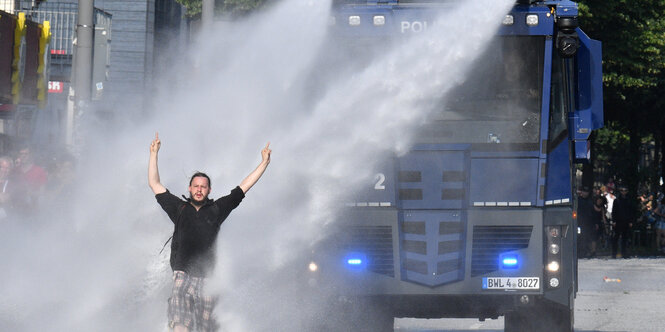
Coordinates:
[196,224]
[30,181]
[659,213]
[585,221]
[623,213]
[608,193]
[61,175]
[597,222]
[6,168]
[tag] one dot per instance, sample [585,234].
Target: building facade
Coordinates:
[138,38]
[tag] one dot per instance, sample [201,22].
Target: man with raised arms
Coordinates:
[196,224]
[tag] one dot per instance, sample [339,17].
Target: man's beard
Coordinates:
[195,202]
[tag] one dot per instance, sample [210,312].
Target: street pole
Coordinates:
[84,38]
[207,13]
[82,80]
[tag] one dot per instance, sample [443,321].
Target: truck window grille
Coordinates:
[448,266]
[416,266]
[377,243]
[418,247]
[491,241]
[452,194]
[410,194]
[409,176]
[450,227]
[432,248]
[446,247]
[453,176]
[414,227]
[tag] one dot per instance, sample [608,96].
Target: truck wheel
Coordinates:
[541,317]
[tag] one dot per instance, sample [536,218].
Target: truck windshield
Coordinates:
[499,101]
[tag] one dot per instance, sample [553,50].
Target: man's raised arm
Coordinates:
[251,179]
[153,172]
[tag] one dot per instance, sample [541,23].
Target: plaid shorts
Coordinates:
[189,306]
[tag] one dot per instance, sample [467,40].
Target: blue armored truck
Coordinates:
[477,219]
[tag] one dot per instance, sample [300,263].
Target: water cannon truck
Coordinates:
[477,219]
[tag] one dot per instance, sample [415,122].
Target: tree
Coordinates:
[633,36]
[232,7]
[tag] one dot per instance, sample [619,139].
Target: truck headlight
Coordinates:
[532,20]
[553,252]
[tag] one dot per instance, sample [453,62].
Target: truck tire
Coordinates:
[540,317]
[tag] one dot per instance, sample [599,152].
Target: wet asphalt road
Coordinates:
[614,295]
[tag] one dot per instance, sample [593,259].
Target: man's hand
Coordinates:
[251,179]
[265,153]
[156,144]
[153,171]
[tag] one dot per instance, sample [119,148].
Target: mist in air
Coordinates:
[90,261]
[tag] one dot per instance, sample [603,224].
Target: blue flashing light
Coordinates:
[510,261]
[356,261]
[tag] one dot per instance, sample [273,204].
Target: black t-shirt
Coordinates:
[623,212]
[193,244]
[585,211]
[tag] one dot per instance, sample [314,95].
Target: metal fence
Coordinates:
[62,16]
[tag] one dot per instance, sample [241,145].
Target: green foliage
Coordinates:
[611,144]
[633,37]
[230,7]
[240,7]
[193,7]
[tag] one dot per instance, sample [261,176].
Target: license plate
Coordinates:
[511,283]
